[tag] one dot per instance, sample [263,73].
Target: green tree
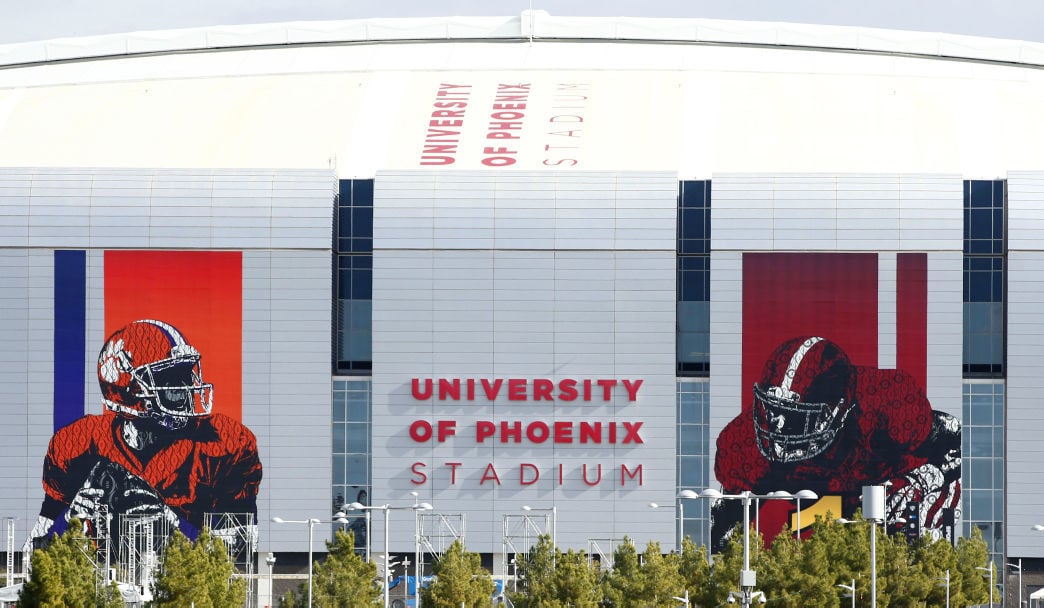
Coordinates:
[460,580]
[575,582]
[197,573]
[797,574]
[63,575]
[661,578]
[970,583]
[536,574]
[294,599]
[694,567]
[344,579]
[622,586]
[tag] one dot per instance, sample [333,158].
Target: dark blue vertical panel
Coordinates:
[70,335]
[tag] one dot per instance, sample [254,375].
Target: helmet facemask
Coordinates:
[788,430]
[174,389]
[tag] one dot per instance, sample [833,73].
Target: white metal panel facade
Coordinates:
[528,277]
[1025,425]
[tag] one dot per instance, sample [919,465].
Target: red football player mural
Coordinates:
[818,422]
[157,451]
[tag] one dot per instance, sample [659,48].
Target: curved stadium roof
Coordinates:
[699,97]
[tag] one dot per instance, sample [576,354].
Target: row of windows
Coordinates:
[693,450]
[693,312]
[984,278]
[353,282]
[352,413]
[982,463]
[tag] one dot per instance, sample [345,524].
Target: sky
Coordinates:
[27,20]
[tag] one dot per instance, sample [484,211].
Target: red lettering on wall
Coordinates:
[532,469]
[596,481]
[453,471]
[490,474]
[419,475]
[626,474]
[418,394]
[484,429]
[420,431]
[523,389]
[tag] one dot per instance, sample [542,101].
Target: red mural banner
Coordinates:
[198,292]
[161,446]
[818,413]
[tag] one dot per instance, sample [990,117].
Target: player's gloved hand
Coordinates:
[122,493]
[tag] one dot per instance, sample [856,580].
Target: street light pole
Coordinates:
[852,589]
[270,561]
[947,579]
[311,524]
[990,570]
[1018,567]
[679,515]
[357,506]
[748,577]
[873,556]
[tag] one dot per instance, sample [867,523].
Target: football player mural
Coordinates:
[157,451]
[818,422]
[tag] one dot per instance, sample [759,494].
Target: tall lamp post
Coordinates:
[1018,568]
[311,524]
[748,577]
[990,570]
[947,583]
[270,561]
[680,515]
[852,589]
[422,506]
[873,556]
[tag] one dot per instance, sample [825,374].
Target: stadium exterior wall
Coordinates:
[523,184]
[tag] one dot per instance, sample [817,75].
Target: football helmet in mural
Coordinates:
[805,392]
[820,422]
[148,370]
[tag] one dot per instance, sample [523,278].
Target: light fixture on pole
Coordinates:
[851,588]
[311,524]
[356,506]
[990,570]
[680,515]
[873,555]
[748,577]
[554,521]
[1018,568]
[798,497]
[684,599]
[946,582]
[270,561]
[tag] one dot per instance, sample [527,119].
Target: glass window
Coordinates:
[691,471]
[340,406]
[980,472]
[339,443]
[693,281]
[357,469]
[358,406]
[354,279]
[358,438]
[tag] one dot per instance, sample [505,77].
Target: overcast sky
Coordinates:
[24,20]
